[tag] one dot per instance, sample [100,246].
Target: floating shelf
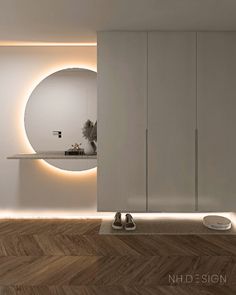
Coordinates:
[50,155]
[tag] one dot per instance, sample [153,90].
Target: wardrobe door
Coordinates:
[171,121]
[122,98]
[217,121]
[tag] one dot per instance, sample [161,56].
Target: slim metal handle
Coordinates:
[146,170]
[196,169]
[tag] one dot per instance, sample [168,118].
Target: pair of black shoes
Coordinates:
[128,225]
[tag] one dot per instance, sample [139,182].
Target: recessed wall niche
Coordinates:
[56,112]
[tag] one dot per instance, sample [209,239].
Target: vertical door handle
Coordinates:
[196,169]
[146,170]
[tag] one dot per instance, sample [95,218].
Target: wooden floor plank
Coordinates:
[110,270]
[49,226]
[117,290]
[100,245]
[61,257]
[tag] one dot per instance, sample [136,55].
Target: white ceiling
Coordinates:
[78,20]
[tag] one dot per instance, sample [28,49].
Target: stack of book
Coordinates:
[74,152]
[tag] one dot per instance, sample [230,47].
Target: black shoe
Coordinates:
[117,223]
[129,222]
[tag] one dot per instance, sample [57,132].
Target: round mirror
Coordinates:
[61,112]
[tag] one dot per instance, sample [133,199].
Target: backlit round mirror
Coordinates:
[61,112]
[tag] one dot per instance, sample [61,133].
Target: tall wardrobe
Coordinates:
[166,121]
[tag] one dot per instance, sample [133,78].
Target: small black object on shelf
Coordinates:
[75,150]
[72,152]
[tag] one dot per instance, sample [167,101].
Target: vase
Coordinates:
[94,147]
[88,148]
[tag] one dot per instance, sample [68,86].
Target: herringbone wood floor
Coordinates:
[61,257]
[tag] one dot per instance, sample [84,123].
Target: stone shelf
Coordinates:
[50,155]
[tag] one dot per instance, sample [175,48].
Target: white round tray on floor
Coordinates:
[217,222]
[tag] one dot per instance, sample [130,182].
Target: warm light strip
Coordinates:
[11,214]
[53,215]
[45,44]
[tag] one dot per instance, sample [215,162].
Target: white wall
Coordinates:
[28,186]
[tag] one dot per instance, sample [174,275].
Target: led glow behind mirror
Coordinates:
[56,112]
